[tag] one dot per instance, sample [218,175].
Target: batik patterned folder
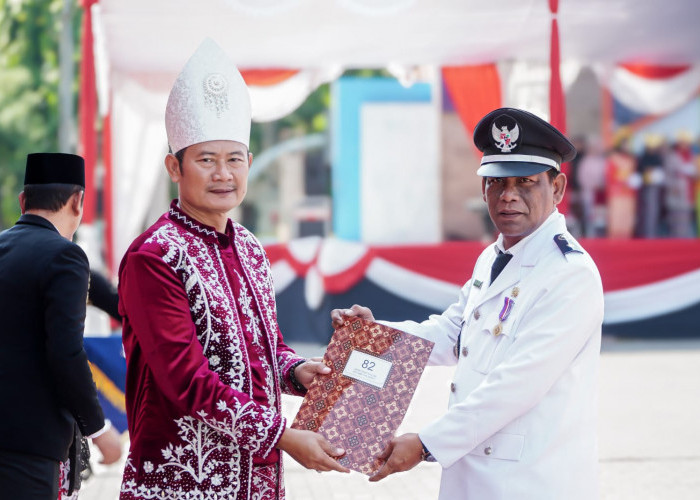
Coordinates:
[361,403]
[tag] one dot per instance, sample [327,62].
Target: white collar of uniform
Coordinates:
[555,218]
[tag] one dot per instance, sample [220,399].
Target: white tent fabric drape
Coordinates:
[139,145]
[272,102]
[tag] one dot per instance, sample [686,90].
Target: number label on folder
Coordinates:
[367,368]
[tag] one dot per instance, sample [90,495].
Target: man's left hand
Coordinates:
[306,372]
[403,453]
[110,445]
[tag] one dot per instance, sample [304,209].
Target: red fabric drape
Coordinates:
[87,110]
[474,90]
[655,72]
[557,101]
[107,196]
[265,77]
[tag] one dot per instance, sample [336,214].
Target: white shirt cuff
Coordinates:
[107,426]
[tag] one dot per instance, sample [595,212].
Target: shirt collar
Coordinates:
[519,246]
[36,220]
[192,225]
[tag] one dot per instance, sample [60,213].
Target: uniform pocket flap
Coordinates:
[502,446]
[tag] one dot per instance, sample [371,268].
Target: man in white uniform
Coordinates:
[524,334]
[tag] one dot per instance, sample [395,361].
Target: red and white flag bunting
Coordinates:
[654,90]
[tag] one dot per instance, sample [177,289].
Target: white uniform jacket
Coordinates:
[522,412]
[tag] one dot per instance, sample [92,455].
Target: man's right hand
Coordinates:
[311,450]
[110,445]
[362,312]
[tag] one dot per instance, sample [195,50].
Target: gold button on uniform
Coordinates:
[453,387]
[487,450]
[497,330]
[477,314]
[465,351]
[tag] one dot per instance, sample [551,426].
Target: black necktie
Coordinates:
[501,260]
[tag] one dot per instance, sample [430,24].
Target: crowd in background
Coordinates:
[654,194]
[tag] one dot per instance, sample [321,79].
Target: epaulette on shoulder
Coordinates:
[565,245]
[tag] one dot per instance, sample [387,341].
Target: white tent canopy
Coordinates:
[142,45]
[159,35]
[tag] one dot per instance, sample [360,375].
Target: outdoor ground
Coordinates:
[649,435]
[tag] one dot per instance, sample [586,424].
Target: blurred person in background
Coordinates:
[206,361]
[622,182]
[591,181]
[696,152]
[575,215]
[650,202]
[679,193]
[49,397]
[524,333]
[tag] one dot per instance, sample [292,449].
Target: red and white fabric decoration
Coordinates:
[641,278]
[474,90]
[275,98]
[652,90]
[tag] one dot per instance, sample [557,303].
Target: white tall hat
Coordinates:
[209,101]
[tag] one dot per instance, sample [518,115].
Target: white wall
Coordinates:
[399,174]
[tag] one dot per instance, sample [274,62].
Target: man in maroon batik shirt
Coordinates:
[206,362]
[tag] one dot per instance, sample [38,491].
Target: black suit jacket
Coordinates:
[45,381]
[103,295]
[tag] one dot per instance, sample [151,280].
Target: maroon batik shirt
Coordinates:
[206,364]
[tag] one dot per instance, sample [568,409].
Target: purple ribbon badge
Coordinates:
[508,304]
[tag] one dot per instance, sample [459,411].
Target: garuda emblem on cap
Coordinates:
[506,139]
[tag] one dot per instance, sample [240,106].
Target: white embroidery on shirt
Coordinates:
[258,347]
[209,447]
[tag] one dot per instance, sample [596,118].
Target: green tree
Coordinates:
[29,77]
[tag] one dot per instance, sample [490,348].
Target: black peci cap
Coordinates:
[517,143]
[54,168]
